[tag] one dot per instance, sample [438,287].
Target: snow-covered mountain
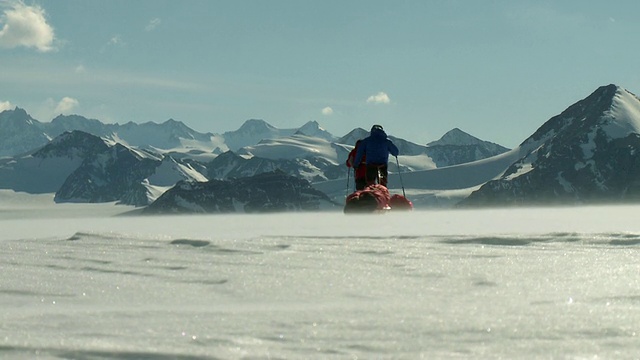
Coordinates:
[170,135]
[113,172]
[313,129]
[80,167]
[45,170]
[231,165]
[291,147]
[586,154]
[458,147]
[252,132]
[20,133]
[265,192]
[174,138]
[175,151]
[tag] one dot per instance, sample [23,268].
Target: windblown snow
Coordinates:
[79,283]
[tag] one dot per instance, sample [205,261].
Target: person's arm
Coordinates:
[359,154]
[393,149]
[351,157]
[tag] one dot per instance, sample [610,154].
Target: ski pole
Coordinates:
[348,180]
[400,175]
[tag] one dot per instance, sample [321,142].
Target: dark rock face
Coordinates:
[263,193]
[113,175]
[585,155]
[72,144]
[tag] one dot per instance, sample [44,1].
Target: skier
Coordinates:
[360,171]
[376,149]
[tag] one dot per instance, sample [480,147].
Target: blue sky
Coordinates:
[495,69]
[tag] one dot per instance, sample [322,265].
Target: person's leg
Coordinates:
[372,174]
[383,173]
[361,183]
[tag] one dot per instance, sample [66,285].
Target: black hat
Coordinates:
[376,127]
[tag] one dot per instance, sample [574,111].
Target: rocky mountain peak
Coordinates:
[72,143]
[177,125]
[312,128]
[15,117]
[580,117]
[255,126]
[456,137]
[586,154]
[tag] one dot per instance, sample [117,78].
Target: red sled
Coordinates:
[375,198]
[399,202]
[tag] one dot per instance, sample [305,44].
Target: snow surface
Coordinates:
[624,115]
[79,283]
[416,162]
[294,146]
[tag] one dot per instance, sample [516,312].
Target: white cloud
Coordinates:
[328,111]
[153,24]
[66,105]
[379,98]
[5,105]
[80,69]
[26,26]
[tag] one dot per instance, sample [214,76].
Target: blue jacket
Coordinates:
[376,147]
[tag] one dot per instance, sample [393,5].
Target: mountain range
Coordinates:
[586,154]
[85,160]
[80,167]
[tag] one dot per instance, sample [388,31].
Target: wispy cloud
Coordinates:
[5,105]
[25,26]
[66,106]
[328,111]
[379,98]
[153,24]
[114,41]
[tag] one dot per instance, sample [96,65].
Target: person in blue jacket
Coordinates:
[376,149]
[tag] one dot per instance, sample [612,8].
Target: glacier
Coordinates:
[92,281]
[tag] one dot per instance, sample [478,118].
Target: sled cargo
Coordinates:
[375,198]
